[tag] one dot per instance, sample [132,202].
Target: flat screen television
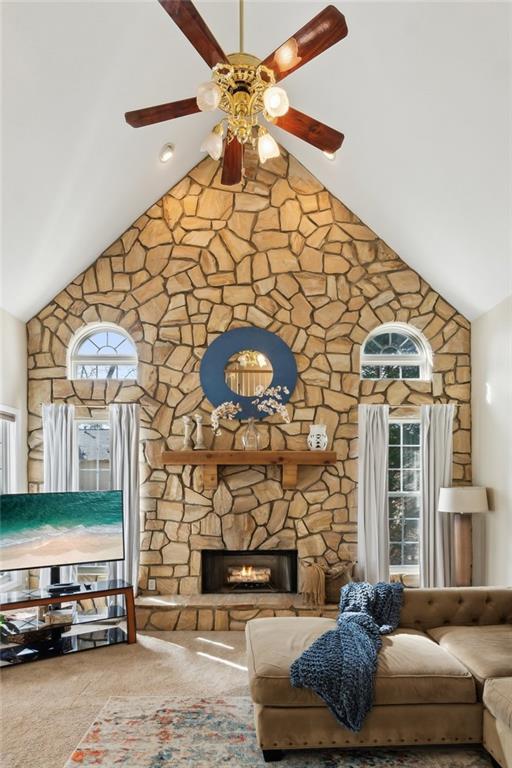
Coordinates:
[40,530]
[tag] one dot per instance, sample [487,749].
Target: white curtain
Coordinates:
[5,453]
[60,465]
[124,462]
[372,493]
[436,466]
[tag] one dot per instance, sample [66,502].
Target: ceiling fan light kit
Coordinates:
[245,89]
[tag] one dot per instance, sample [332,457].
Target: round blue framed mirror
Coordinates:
[242,360]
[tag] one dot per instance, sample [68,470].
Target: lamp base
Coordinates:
[463,548]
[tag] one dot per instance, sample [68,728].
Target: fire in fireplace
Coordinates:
[248,575]
[248,570]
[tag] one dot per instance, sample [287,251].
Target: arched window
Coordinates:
[102,351]
[396,351]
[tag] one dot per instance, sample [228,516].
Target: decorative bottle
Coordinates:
[198,437]
[187,432]
[250,437]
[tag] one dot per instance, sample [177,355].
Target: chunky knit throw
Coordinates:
[340,665]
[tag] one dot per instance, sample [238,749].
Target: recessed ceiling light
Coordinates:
[330,155]
[166,153]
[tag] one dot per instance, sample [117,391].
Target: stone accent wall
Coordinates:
[278,252]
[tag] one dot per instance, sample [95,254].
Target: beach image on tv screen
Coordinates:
[44,529]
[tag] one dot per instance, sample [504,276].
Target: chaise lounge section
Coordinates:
[431,676]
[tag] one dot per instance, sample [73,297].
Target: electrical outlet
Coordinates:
[152,585]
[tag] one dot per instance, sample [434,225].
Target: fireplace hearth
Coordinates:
[224,571]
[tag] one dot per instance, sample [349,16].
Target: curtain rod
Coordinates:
[411,405]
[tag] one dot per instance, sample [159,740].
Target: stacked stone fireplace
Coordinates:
[277,252]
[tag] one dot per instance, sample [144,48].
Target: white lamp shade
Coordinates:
[463,499]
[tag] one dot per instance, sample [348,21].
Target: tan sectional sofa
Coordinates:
[444,677]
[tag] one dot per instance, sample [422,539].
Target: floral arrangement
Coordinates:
[226,410]
[269,401]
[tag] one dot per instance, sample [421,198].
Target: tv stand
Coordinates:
[47,640]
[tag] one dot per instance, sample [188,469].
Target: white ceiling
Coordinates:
[422,91]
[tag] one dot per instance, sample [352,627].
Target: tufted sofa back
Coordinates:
[459,606]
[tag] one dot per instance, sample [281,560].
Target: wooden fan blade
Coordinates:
[310,130]
[150,115]
[233,161]
[326,29]
[189,20]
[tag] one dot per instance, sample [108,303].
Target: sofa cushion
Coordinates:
[485,651]
[412,668]
[498,699]
[456,606]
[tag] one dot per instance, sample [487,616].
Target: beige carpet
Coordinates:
[47,706]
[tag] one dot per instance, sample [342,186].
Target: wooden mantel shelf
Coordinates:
[211,460]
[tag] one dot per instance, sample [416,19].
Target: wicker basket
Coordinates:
[335,579]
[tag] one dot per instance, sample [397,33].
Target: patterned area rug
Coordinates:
[156,732]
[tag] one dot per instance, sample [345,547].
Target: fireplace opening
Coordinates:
[224,570]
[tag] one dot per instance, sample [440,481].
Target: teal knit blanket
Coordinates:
[340,666]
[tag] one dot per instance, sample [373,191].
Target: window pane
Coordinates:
[411,554]
[411,457]
[93,456]
[104,480]
[395,531]
[411,506]
[394,457]
[390,372]
[113,371]
[381,341]
[410,372]
[396,507]
[87,347]
[397,339]
[372,347]
[411,434]
[370,372]
[394,434]
[395,554]
[408,347]
[411,530]
[411,480]
[394,480]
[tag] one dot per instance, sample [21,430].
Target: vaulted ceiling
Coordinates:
[421,91]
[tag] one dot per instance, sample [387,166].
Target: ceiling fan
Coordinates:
[245,88]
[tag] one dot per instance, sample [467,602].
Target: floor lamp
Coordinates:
[463,502]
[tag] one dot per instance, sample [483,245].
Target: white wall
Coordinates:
[13,382]
[492,440]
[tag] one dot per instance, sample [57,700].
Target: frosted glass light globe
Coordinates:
[213,144]
[276,101]
[267,147]
[208,96]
